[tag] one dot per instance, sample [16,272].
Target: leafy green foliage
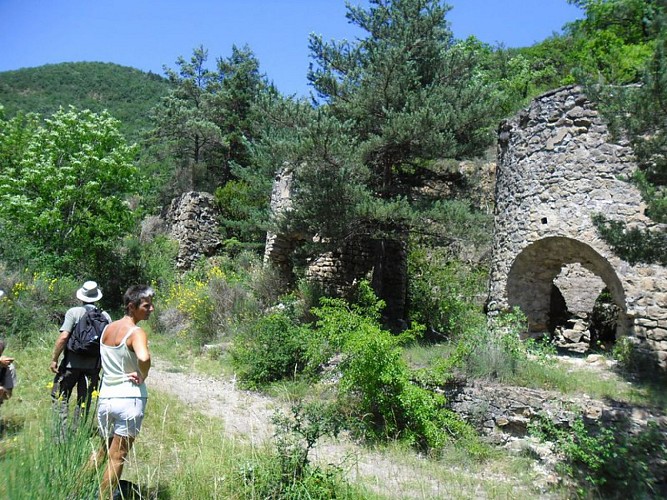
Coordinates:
[612,42]
[32,304]
[126,93]
[376,383]
[292,475]
[444,295]
[609,459]
[270,349]
[633,35]
[388,104]
[64,193]
[241,215]
[634,245]
[297,434]
[494,352]
[204,126]
[408,89]
[149,261]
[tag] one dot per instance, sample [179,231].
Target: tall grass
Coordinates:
[41,463]
[180,453]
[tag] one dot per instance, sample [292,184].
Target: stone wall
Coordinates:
[557,167]
[383,263]
[279,248]
[192,220]
[503,412]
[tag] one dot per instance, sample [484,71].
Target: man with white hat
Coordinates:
[76,370]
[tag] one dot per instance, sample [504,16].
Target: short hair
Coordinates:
[135,294]
[2,345]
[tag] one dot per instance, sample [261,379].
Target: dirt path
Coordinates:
[247,417]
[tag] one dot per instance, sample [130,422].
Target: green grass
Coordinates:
[183,454]
[549,374]
[180,453]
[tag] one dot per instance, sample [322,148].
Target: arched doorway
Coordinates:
[548,267]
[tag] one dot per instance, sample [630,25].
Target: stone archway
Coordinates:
[558,166]
[532,274]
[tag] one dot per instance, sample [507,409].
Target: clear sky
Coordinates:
[149,34]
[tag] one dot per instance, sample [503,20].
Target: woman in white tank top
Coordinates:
[122,399]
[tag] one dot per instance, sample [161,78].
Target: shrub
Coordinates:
[34,305]
[494,352]
[152,261]
[269,349]
[445,294]
[610,460]
[205,303]
[376,382]
[290,474]
[190,297]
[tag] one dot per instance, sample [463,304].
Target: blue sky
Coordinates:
[149,34]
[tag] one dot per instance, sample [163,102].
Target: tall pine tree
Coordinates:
[389,105]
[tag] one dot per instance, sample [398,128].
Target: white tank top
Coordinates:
[117,362]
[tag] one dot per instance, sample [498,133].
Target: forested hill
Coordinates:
[127,93]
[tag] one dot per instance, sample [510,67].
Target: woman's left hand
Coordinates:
[135,378]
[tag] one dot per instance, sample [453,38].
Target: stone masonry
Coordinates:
[557,167]
[193,222]
[337,272]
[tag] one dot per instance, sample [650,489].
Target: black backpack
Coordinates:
[85,338]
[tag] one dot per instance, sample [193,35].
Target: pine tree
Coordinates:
[388,106]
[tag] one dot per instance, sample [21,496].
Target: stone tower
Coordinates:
[557,167]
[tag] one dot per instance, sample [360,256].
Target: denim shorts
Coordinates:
[120,416]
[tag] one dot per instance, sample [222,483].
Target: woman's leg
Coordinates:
[118,450]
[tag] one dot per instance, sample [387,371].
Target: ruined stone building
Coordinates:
[192,222]
[557,167]
[382,262]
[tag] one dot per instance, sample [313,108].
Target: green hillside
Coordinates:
[127,93]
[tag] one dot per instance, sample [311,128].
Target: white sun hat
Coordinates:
[89,292]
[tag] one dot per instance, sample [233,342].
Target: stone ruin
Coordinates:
[558,165]
[337,271]
[192,221]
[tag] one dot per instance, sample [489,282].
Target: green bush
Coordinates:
[270,349]
[445,294]
[296,434]
[490,352]
[376,383]
[609,460]
[34,305]
[150,262]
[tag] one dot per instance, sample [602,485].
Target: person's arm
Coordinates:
[5,393]
[5,361]
[8,382]
[138,342]
[61,342]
